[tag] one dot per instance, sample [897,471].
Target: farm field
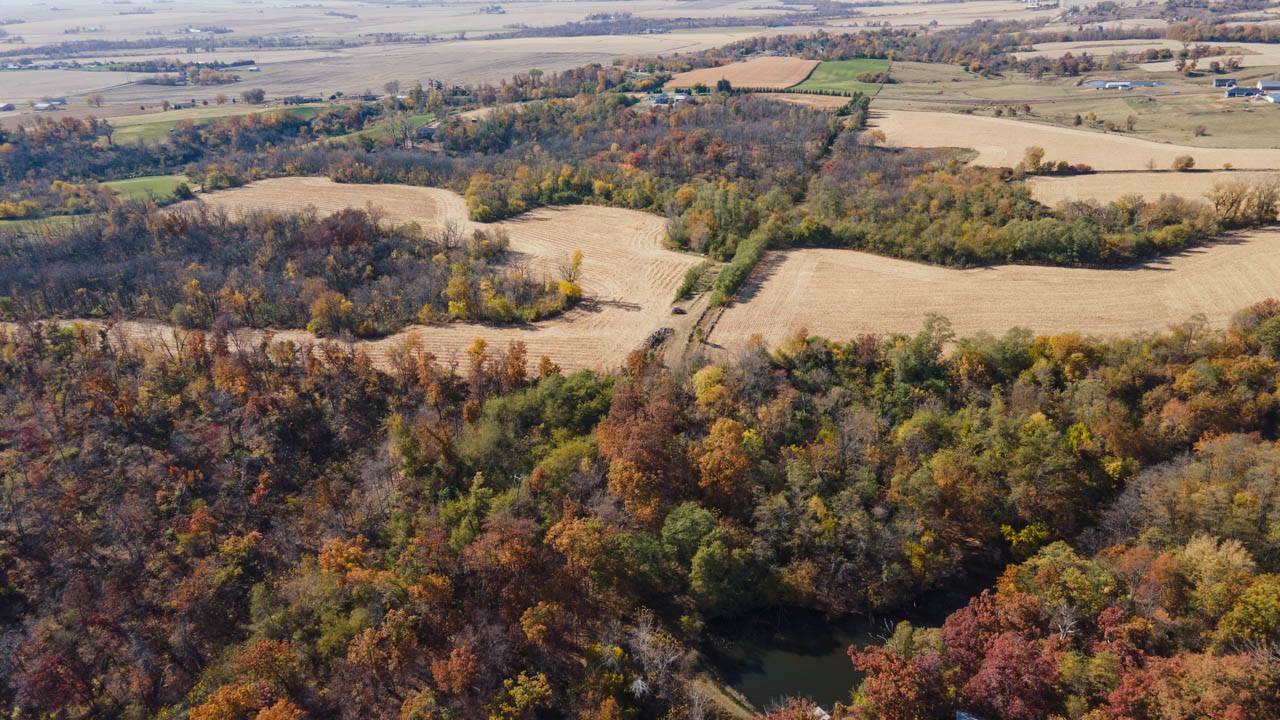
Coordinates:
[46,23]
[822,102]
[152,187]
[1199,119]
[1002,143]
[628,276]
[943,14]
[53,222]
[931,85]
[1105,187]
[842,76]
[842,293]
[153,127]
[768,72]
[367,68]
[1251,55]
[1097,48]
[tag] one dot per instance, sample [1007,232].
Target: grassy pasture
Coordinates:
[842,76]
[51,223]
[158,187]
[154,127]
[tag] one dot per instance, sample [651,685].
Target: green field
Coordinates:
[46,223]
[842,76]
[155,127]
[380,130]
[155,187]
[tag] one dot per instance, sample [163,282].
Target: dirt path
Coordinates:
[843,293]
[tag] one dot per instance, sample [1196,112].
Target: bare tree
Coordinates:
[400,129]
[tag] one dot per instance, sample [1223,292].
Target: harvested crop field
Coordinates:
[628,276]
[770,72]
[936,14]
[1105,187]
[842,293]
[1096,48]
[1002,143]
[820,102]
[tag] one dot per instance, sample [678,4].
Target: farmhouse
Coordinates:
[1224,82]
[1269,85]
[1242,92]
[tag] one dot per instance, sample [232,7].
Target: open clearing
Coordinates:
[842,293]
[151,187]
[821,102]
[1002,143]
[842,76]
[628,277]
[1105,187]
[939,14]
[770,72]
[1096,48]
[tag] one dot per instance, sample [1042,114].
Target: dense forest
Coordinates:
[348,272]
[279,532]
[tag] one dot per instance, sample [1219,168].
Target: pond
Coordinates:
[786,652]
[796,652]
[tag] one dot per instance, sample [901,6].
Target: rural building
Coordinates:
[668,98]
[6,107]
[46,107]
[1269,85]
[1224,82]
[1118,85]
[1111,84]
[1272,97]
[1242,92]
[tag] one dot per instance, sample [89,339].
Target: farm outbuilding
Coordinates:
[1269,85]
[1224,82]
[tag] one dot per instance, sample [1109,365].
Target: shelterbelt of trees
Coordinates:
[278,531]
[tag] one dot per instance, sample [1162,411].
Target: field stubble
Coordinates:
[842,293]
[628,276]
